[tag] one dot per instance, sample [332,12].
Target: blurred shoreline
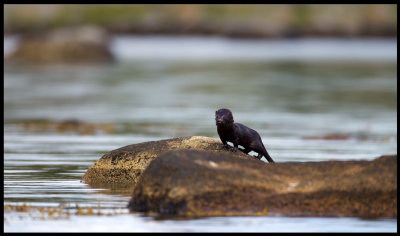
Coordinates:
[235,21]
[173,48]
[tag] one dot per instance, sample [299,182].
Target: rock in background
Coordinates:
[84,44]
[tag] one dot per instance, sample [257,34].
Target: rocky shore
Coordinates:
[228,20]
[194,177]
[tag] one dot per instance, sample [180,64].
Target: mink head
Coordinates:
[223,117]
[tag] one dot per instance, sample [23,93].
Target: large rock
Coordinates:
[124,165]
[85,44]
[193,183]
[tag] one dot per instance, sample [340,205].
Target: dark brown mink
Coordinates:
[239,134]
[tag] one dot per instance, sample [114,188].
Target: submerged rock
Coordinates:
[85,44]
[69,126]
[193,183]
[123,166]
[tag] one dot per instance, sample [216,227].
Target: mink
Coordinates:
[238,134]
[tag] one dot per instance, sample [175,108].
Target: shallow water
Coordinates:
[292,92]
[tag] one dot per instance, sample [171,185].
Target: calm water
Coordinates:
[292,92]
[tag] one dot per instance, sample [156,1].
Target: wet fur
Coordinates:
[239,134]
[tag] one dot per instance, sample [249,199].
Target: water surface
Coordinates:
[293,92]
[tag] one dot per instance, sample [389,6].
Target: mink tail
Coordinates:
[267,156]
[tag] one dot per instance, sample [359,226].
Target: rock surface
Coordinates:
[85,44]
[123,166]
[193,183]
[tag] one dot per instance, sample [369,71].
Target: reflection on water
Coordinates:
[146,96]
